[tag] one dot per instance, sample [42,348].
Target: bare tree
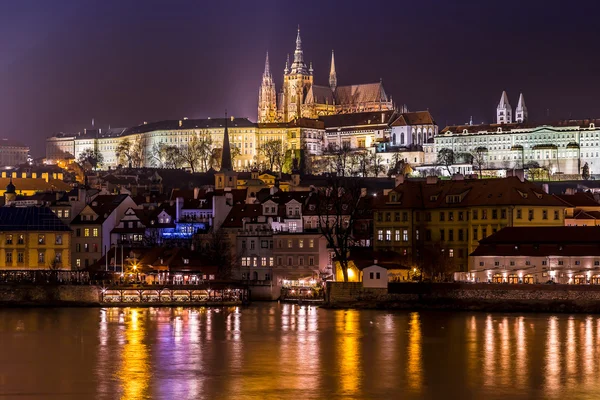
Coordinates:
[437,262]
[123,152]
[377,164]
[90,158]
[478,156]
[337,206]
[217,250]
[445,158]
[273,152]
[339,157]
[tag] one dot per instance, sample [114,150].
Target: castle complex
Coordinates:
[300,97]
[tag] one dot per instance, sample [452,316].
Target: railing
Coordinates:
[45,277]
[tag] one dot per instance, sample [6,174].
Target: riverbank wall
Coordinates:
[460,296]
[27,295]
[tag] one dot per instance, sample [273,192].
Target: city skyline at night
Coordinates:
[65,63]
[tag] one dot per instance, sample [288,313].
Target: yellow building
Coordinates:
[441,222]
[33,238]
[29,183]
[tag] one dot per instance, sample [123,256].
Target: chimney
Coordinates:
[375,261]
[432,180]
[178,207]
[545,188]
[399,179]
[196,192]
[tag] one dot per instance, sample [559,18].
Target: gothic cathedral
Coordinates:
[300,98]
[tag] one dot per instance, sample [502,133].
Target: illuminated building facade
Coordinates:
[301,98]
[33,238]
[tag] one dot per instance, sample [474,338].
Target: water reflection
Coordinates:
[289,351]
[134,359]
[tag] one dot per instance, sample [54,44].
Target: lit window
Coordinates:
[86,232]
[397,235]
[380,235]
[9,239]
[405,235]
[301,243]
[263,261]
[311,243]
[95,232]
[270,261]
[388,235]
[451,253]
[66,214]
[289,243]
[21,239]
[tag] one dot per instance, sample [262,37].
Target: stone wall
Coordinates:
[490,297]
[49,295]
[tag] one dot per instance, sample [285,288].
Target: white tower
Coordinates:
[521,111]
[504,110]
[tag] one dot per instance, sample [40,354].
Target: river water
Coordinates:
[282,351]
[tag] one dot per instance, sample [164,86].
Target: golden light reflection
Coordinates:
[348,350]
[571,355]
[472,358]
[489,365]
[414,366]
[505,356]
[521,359]
[552,370]
[133,373]
[589,352]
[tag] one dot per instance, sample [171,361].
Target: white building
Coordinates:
[12,153]
[528,255]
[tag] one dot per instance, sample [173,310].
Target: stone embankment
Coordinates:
[475,297]
[49,295]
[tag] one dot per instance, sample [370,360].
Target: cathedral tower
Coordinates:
[332,74]
[521,111]
[504,110]
[297,80]
[267,102]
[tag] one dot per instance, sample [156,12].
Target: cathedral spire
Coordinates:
[226,164]
[267,72]
[298,66]
[286,70]
[332,74]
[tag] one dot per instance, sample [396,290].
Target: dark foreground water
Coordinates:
[270,351]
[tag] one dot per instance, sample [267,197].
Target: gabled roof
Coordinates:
[578,200]
[320,95]
[30,219]
[357,119]
[473,192]
[363,93]
[235,218]
[541,241]
[414,118]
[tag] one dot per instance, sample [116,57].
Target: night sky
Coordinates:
[63,63]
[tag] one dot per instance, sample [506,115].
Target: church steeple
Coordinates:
[332,74]
[226,164]
[504,110]
[521,111]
